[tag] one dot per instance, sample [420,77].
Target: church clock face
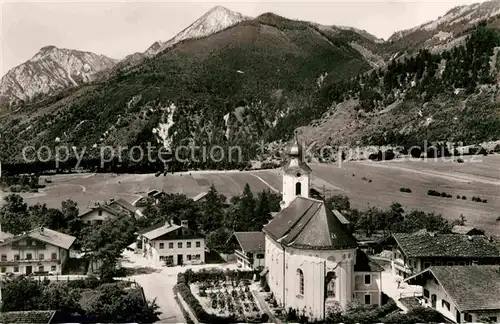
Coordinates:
[298,174]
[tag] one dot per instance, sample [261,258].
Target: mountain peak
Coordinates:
[47,48]
[215,20]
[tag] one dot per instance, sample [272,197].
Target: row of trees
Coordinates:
[392,220]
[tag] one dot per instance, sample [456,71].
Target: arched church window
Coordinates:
[298,189]
[300,277]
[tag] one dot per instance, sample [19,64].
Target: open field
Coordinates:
[479,178]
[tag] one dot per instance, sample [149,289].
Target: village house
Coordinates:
[414,252]
[102,211]
[466,230]
[312,260]
[249,248]
[39,251]
[463,294]
[172,244]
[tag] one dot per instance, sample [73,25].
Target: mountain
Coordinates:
[238,82]
[447,31]
[451,95]
[50,70]
[216,19]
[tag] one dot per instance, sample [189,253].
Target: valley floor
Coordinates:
[479,177]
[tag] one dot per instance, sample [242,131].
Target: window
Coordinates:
[451,263]
[4,269]
[415,264]
[368,279]
[53,268]
[54,256]
[16,269]
[445,304]
[171,245]
[298,189]
[179,245]
[468,317]
[260,256]
[28,256]
[189,257]
[300,276]
[427,264]
[162,245]
[99,212]
[98,222]
[462,263]
[188,245]
[368,299]
[169,259]
[41,256]
[197,257]
[198,244]
[16,257]
[4,257]
[426,293]
[40,269]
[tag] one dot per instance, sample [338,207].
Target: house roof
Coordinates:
[160,230]
[458,229]
[306,223]
[251,241]
[472,288]
[365,264]
[200,196]
[341,217]
[27,317]
[446,245]
[123,204]
[4,236]
[46,235]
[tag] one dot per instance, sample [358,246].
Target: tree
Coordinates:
[177,207]
[212,210]
[14,215]
[417,220]
[366,220]
[74,224]
[52,218]
[21,294]
[217,239]
[338,202]
[247,206]
[263,210]
[105,243]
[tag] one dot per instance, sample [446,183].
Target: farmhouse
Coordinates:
[312,260]
[173,244]
[461,294]
[249,249]
[414,252]
[41,250]
[100,212]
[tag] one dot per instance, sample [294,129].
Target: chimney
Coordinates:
[111,200]
[469,237]
[168,222]
[184,223]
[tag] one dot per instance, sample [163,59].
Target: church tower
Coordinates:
[296,175]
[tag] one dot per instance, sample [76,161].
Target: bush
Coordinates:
[407,190]
[460,161]
[464,198]
[433,193]
[498,219]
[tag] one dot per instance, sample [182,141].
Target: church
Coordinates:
[312,261]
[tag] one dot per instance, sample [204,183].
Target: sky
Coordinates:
[118,28]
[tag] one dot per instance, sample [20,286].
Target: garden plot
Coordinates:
[229,299]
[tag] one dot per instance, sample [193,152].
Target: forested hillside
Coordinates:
[447,96]
[229,88]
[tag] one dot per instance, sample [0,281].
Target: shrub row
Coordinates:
[407,190]
[438,194]
[478,199]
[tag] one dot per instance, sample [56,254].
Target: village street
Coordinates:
[160,283]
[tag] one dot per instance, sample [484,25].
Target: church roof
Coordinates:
[307,224]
